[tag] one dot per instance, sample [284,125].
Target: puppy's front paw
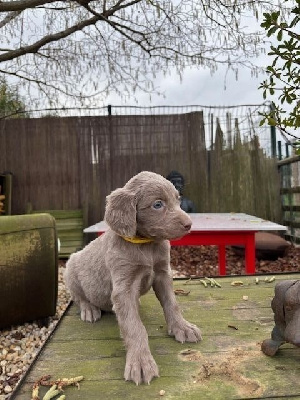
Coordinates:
[184,331]
[140,367]
[89,313]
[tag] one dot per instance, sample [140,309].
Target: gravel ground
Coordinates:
[20,344]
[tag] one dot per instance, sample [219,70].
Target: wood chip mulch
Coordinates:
[202,261]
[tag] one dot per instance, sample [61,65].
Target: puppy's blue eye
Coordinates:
[158,204]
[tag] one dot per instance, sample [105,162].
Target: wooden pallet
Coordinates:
[227,364]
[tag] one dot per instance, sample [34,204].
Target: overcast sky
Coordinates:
[199,87]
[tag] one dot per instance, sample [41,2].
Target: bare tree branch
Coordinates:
[85,48]
[33,48]
[22,4]
[9,17]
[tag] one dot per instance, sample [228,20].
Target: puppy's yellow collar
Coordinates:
[137,239]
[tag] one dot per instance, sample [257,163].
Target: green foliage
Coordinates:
[297,147]
[10,104]
[283,73]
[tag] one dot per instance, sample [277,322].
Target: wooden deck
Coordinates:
[227,364]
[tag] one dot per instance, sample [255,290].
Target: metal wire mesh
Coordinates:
[243,119]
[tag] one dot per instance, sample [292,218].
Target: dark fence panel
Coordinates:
[42,154]
[74,162]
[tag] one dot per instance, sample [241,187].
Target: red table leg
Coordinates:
[222,260]
[250,253]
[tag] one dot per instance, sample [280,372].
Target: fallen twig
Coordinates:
[181,292]
[237,283]
[233,327]
[56,387]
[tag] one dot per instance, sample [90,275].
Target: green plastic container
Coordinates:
[28,268]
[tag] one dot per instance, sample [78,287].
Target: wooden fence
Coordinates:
[290,195]
[74,162]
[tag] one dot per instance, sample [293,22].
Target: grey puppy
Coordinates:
[114,270]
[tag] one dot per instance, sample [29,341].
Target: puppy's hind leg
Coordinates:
[88,312]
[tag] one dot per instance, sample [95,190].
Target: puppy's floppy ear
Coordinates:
[120,212]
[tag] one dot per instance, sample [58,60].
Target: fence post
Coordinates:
[273,136]
[287,150]
[111,145]
[279,150]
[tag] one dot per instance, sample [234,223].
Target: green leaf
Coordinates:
[271,31]
[261,122]
[272,121]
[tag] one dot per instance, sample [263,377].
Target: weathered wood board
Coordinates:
[226,364]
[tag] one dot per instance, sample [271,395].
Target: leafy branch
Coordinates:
[283,74]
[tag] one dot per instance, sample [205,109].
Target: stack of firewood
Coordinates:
[2,198]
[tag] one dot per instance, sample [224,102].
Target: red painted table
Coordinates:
[219,229]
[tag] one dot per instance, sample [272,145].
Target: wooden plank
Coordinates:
[62,214]
[292,224]
[69,248]
[288,160]
[71,236]
[109,331]
[291,208]
[292,238]
[66,225]
[69,224]
[70,242]
[118,389]
[226,364]
[295,189]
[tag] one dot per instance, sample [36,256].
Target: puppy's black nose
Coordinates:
[187,226]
